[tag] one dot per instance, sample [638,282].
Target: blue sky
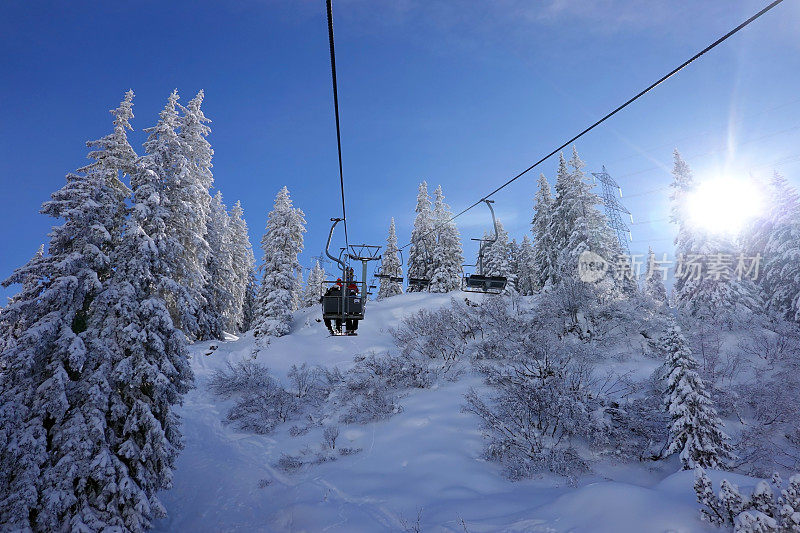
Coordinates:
[463,94]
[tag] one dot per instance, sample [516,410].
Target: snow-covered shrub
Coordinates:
[329,436]
[365,398]
[261,403]
[757,513]
[541,402]
[244,376]
[289,463]
[440,334]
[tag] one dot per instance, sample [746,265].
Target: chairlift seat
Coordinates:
[419,282]
[478,283]
[332,307]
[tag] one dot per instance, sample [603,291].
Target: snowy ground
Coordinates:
[424,462]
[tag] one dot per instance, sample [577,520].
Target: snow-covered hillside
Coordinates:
[422,467]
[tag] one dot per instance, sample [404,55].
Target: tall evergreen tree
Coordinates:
[314,286]
[144,370]
[297,296]
[544,254]
[243,263]
[696,430]
[219,310]
[497,256]
[705,286]
[578,224]
[282,243]
[654,280]
[447,254]
[250,306]
[781,276]
[52,387]
[526,274]
[191,200]
[186,248]
[390,265]
[423,239]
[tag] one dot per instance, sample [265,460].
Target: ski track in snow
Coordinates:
[426,457]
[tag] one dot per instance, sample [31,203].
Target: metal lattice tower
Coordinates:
[615,209]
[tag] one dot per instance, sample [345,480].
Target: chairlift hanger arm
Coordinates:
[328,245]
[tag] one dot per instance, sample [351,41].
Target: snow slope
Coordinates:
[424,462]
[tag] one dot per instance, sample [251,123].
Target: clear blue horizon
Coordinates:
[464,96]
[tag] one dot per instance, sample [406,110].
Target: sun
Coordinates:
[724,206]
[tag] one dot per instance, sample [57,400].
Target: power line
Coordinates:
[617,109]
[336,111]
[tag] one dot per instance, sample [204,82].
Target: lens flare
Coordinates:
[724,206]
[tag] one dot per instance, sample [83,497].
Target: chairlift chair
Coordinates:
[343,307]
[481,282]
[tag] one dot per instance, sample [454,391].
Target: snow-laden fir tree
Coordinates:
[53,389]
[249,306]
[578,225]
[144,373]
[654,280]
[447,254]
[705,282]
[497,256]
[544,254]
[299,283]
[243,263]
[282,243]
[513,260]
[186,248]
[695,429]
[781,276]
[219,311]
[314,286]
[194,204]
[390,266]
[527,280]
[423,238]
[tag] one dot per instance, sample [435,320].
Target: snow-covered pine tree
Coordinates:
[423,238]
[497,256]
[299,283]
[186,248]
[544,254]
[447,254]
[513,260]
[654,280]
[52,387]
[314,286]
[781,276]
[219,312]
[243,263]
[390,265]
[527,281]
[143,374]
[194,203]
[282,243]
[249,306]
[704,285]
[696,430]
[577,222]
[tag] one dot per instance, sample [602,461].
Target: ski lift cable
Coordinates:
[336,112]
[619,108]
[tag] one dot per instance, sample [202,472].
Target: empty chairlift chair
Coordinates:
[480,281]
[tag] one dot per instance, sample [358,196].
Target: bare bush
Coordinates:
[329,436]
[440,334]
[244,376]
[541,401]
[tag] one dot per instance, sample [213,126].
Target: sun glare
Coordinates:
[724,205]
